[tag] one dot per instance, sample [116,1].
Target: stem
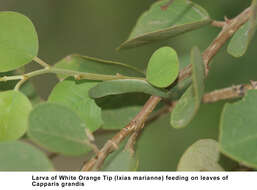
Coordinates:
[76,74]
[41,62]
[20,83]
[228,30]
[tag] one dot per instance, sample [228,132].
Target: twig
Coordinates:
[96,162]
[20,83]
[229,93]
[219,24]
[131,143]
[41,62]
[228,30]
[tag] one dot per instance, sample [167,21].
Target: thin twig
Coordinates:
[41,62]
[228,30]
[20,83]
[219,24]
[229,93]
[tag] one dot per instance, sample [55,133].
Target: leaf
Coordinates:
[158,24]
[203,155]
[18,41]
[20,156]
[115,87]
[189,103]
[163,67]
[74,95]
[121,161]
[238,136]
[58,129]
[119,110]
[97,66]
[239,42]
[14,113]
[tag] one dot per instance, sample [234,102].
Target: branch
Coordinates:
[96,162]
[229,93]
[227,31]
[236,91]
[76,74]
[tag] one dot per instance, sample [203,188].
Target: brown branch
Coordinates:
[228,30]
[131,143]
[236,91]
[229,93]
[96,162]
[219,24]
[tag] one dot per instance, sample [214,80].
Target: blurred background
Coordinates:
[96,27]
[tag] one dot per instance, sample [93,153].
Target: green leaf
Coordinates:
[189,103]
[238,136]
[18,41]
[97,66]
[115,87]
[20,156]
[119,110]
[203,155]
[163,67]
[14,112]
[74,95]
[58,129]
[239,42]
[121,161]
[158,24]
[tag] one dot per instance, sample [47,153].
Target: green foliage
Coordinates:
[238,132]
[189,103]
[203,155]
[58,129]
[95,65]
[61,124]
[163,67]
[19,42]
[158,24]
[74,95]
[115,87]
[14,112]
[20,156]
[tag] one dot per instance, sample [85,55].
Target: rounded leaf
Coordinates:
[14,112]
[238,136]
[74,95]
[163,67]
[203,155]
[19,156]
[18,41]
[58,129]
